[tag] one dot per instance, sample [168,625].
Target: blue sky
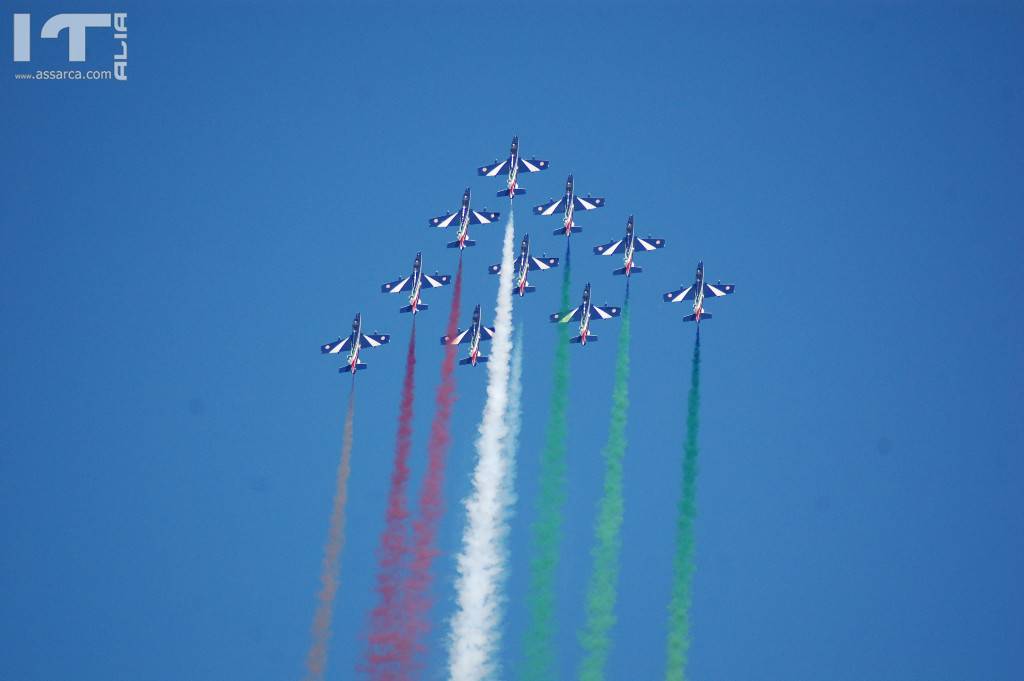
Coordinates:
[178,246]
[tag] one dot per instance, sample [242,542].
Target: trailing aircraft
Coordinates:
[353,343]
[697,292]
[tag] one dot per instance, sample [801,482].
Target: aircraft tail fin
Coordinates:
[591,338]
[575,229]
[634,270]
[526,289]
[455,244]
[420,306]
[347,369]
[506,192]
[693,317]
[468,360]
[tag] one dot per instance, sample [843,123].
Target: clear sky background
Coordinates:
[176,248]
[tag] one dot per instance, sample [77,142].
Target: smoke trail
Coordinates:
[602,590]
[386,658]
[475,633]
[679,607]
[547,528]
[514,417]
[316,658]
[431,503]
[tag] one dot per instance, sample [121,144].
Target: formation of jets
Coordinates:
[567,205]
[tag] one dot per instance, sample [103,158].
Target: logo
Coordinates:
[77,28]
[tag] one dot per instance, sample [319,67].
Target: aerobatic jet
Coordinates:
[414,283]
[697,292]
[524,263]
[569,204]
[354,342]
[512,166]
[464,217]
[627,247]
[473,335]
[583,314]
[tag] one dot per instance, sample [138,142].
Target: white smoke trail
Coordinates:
[475,631]
[514,418]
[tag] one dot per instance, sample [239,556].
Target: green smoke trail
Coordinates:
[602,590]
[679,607]
[547,528]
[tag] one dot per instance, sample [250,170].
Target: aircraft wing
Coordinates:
[495,169]
[335,347]
[605,312]
[444,220]
[372,340]
[610,248]
[718,290]
[587,203]
[566,317]
[436,280]
[649,244]
[397,286]
[486,332]
[543,263]
[549,208]
[532,165]
[678,296]
[494,269]
[457,339]
[482,218]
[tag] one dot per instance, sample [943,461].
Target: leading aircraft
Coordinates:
[569,203]
[627,247]
[473,335]
[524,263]
[353,343]
[583,313]
[512,166]
[696,292]
[465,217]
[414,283]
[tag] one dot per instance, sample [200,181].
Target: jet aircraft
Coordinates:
[512,166]
[627,247]
[583,313]
[697,292]
[464,217]
[473,335]
[353,343]
[414,283]
[569,204]
[524,263]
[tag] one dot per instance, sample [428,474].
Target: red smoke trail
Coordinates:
[418,603]
[386,658]
[316,659]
